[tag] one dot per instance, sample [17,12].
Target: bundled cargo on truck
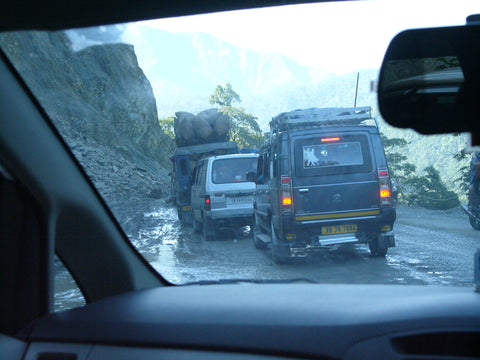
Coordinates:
[197,136]
[207,126]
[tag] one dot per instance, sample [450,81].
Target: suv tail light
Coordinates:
[207,202]
[286,193]
[385,191]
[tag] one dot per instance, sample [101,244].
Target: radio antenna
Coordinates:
[356,91]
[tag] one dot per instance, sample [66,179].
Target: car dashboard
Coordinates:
[308,321]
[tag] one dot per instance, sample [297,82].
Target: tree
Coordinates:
[464,171]
[224,96]
[244,128]
[167,126]
[448,62]
[428,190]
[401,170]
[431,192]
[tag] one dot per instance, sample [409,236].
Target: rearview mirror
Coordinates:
[430,80]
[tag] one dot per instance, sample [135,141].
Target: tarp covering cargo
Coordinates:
[206,127]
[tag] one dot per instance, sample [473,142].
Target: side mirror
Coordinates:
[430,80]
[252,176]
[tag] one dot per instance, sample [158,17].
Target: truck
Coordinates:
[197,137]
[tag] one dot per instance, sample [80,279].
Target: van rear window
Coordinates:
[332,155]
[233,170]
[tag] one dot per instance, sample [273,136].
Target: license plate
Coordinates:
[339,229]
[186,208]
[239,200]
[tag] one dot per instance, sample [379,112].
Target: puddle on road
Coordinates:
[434,257]
[181,256]
[422,271]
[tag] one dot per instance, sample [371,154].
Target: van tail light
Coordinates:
[286,193]
[385,191]
[207,202]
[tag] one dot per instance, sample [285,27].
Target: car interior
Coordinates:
[49,207]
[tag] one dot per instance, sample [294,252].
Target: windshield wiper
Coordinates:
[251,281]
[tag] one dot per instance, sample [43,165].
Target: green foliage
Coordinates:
[167,126]
[463,173]
[224,96]
[401,170]
[448,62]
[428,190]
[244,128]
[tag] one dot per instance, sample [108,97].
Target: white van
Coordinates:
[221,193]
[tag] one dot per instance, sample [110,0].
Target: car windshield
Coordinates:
[137,102]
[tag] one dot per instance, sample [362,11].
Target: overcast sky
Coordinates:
[308,33]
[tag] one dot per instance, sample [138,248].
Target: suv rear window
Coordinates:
[233,170]
[332,155]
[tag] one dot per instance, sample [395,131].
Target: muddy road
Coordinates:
[433,248]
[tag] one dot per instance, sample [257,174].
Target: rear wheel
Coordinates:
[185,217]
[475,222]
[259,244]
[280,254]
[473,206]
[197,225]
[375,249]
[208,229]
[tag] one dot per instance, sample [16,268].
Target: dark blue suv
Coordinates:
[323,179]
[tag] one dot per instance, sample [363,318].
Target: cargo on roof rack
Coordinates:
[321,117]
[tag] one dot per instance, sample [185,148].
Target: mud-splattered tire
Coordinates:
[376,250]
[280,254]
[197,226]
[259,244]
[185,217]
[474,222]
[208,229]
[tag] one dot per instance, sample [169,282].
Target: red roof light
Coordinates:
[330,139]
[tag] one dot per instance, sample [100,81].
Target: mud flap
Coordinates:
[386,240]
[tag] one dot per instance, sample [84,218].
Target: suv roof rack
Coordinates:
[321,117]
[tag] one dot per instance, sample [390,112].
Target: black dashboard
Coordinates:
[268,320]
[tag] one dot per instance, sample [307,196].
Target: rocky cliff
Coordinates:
[103,106]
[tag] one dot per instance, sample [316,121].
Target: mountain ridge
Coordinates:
[269,84]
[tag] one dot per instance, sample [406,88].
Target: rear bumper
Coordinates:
[307,230]
[240,216]
[384,215]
